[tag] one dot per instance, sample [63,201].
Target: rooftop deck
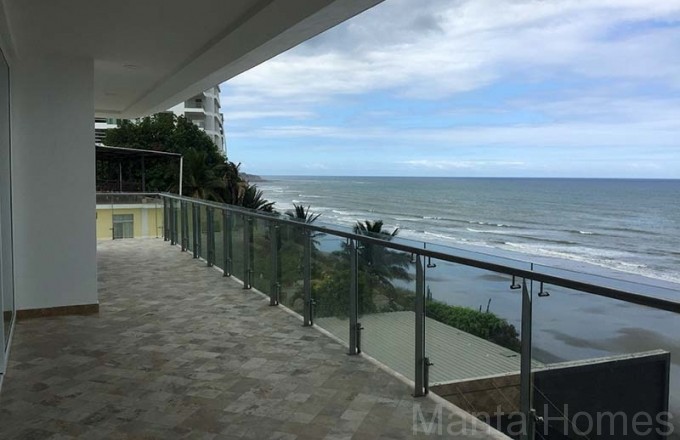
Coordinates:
[178,351]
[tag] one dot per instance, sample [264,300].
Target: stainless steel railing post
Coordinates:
[526,382]
[184,226]
[420,359]
[354,326]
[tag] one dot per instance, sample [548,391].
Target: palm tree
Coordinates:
[251,197]
[379,264]
[201,179]
[378,258]
[234,185]
[302,214]
[374,229]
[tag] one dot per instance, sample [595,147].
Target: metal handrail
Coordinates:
[467,258]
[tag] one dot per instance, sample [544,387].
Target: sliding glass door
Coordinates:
[6,260]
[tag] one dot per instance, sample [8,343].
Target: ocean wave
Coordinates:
[613,260]
[444,236]
[486,231]
[405,219]
[577,231]
[445,219]
[631,230]
[499,225]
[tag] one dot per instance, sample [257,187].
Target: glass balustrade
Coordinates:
[502,338]
[292,241]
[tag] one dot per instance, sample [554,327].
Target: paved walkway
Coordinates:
[178,351]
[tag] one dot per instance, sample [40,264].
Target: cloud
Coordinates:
[459,77]
[262,114]
[449,47]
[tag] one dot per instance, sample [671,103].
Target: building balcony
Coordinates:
[240,323]
[179,351]
[194,109]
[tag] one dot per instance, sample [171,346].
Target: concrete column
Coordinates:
[53,172]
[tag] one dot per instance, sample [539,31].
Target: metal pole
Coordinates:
[226,242]
[274,285]
[181,173]
[354,347]
[120,176]
[308,312]
[420,385]
[526,382]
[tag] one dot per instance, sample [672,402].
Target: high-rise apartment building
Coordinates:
[202,109]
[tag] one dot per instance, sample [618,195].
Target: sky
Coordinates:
[479,88]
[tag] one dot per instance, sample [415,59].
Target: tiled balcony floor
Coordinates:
[178,351]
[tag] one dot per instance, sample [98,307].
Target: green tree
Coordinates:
[207,173]
[383,264]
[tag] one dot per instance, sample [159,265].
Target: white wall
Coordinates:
[53,173]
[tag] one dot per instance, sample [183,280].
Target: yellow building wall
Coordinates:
[152,227]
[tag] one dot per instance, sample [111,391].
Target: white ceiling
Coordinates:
[151,54]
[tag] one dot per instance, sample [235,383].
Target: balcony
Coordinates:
[240,323]
[179,351]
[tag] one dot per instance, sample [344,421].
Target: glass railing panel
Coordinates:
[151,216]
[190,226]
[386,306]
[203,216]
[218,232]
[331,285]
[599,357]
[473,338]
[237,226]
[177,210]
[261,255]
[291,261]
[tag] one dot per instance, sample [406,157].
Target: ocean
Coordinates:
[625,229]
[632,226]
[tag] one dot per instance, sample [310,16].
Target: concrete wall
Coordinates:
[53,181]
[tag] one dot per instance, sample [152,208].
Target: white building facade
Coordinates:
[204,111]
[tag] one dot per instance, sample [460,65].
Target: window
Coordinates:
[123,226]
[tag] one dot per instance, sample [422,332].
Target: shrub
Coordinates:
[486,325]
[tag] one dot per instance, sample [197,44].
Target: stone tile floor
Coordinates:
[178,351]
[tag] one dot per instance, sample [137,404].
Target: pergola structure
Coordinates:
[120,155]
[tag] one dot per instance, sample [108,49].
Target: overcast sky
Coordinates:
[536,88]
